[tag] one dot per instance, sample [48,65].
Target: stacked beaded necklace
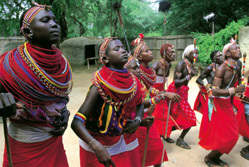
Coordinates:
[99,80]
[232,65]
[47,80]
[148,75]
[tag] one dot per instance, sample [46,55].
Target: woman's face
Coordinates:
[146,55]
[134,68]
[45,28]
[116,55]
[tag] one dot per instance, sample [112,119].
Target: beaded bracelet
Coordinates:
[80,117]
[156,99]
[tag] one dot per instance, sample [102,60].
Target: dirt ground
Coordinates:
[178,157]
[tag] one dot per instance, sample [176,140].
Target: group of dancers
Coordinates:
[127,113]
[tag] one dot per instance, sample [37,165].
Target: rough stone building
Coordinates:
[78,49]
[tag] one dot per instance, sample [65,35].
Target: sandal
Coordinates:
[181,143]
[169,140]
[246,139]
[221,163]
[245,153]
[210,163]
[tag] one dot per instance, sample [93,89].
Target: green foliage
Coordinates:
[186,16]
[205,42]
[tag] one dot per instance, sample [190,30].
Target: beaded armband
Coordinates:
[80,117]
[215,87]
[156,99]
[154,91]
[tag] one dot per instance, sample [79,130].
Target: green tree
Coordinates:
[186,16]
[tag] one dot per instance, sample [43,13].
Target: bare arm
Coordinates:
[204,75]
[78,127]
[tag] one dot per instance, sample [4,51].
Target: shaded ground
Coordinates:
[178,157]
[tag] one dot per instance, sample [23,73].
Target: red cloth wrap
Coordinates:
[154,147]
[89,159]
[201,105]
[247,90]
[200,101]
[241,118]
[48,153]
[53,64]
[133,154]
[222,132]
[182,112]
[160,113]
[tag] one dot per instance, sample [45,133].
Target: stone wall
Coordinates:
[244,43]
[74,48]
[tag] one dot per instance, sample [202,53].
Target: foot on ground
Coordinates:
[246,139]
[221,163]
[181,143]
[169,140]
[245,152]
[210,163]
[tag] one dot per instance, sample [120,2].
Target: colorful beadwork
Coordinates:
[149,78]
[243,71]
[232,67]
[47,80]
[132,89]
[103,47]
[81,117]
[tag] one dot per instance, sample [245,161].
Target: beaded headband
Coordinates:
[31,13]
[103,47]
[130,59]
[138,43]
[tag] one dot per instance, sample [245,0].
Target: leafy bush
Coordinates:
[205,42]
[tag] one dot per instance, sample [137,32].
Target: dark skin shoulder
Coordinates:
[158,67]
[207,73]
[223,76]
[180,74]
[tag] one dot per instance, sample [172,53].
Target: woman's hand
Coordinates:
[102,154]
[61,123]
[148,121]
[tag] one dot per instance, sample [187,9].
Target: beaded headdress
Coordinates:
[31,13]
[103,47]
[138,44]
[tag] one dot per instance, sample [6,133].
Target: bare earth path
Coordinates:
[178,157]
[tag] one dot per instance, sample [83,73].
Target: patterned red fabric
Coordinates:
[241,118]
[222,132]
[182,112]
[37,154]
[160,113]
[154,148]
